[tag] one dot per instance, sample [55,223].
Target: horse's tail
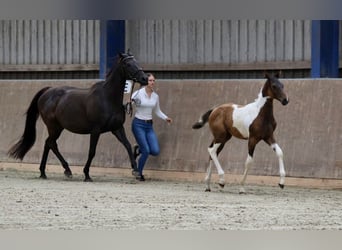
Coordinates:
[19,150]
[203,120]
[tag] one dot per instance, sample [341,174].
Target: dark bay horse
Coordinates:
[93,111]
[253,122]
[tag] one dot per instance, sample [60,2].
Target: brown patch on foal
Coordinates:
[221,123]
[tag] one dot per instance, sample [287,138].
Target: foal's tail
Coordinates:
[203,120]
[19,150]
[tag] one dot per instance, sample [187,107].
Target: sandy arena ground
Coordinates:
[112,203]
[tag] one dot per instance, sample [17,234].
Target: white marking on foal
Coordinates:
[280,155]
[244,116]
[213,153]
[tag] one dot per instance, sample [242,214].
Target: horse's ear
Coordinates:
[129,52]
[266,75]
[278,74]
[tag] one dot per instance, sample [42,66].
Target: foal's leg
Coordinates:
[213,150]
[208,176]
[120,134]
[280,155]
[94,138]
[249,161]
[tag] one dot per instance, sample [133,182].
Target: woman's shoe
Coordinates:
[140,178]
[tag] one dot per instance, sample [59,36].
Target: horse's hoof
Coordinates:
[221,185]
[88,180]
[242,191]
[43,176]
[68,174]
[207,190]
[281,186]
[135,173]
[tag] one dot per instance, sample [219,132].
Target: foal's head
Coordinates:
[132,69]
[275,89]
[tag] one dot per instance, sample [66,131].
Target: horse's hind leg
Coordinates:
[208,176]
[214,150]
[120,134]
[51,141]
[43,161]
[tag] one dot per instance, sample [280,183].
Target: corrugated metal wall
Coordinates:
[49,45]
[49,41]
[219,41]
[194,47]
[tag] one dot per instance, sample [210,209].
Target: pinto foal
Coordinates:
[253,122]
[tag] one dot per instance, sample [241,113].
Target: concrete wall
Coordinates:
[309,128]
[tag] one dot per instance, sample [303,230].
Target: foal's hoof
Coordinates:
[68,173]
[88,180]
[242,191]
[281,186]
[207,190]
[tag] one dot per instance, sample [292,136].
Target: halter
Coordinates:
[128,106]
[135,73]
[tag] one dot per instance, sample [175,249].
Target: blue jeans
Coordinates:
[146,139]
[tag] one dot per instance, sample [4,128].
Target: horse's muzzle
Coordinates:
[285,101]
[142,80]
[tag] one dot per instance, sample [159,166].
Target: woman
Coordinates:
[146,101]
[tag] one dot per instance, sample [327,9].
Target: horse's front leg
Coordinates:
[280,155]
[94,138]
[249,161]
[120,134]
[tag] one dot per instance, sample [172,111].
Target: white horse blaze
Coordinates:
[244,116]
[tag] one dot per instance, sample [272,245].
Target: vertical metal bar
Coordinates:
[315,49]
[324,48]
[112,42]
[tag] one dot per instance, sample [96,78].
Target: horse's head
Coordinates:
[132,69]
[275,89]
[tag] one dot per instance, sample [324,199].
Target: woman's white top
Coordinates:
[145,105]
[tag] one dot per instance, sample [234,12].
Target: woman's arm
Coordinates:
[160,113]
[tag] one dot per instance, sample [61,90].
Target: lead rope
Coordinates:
[129,106]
